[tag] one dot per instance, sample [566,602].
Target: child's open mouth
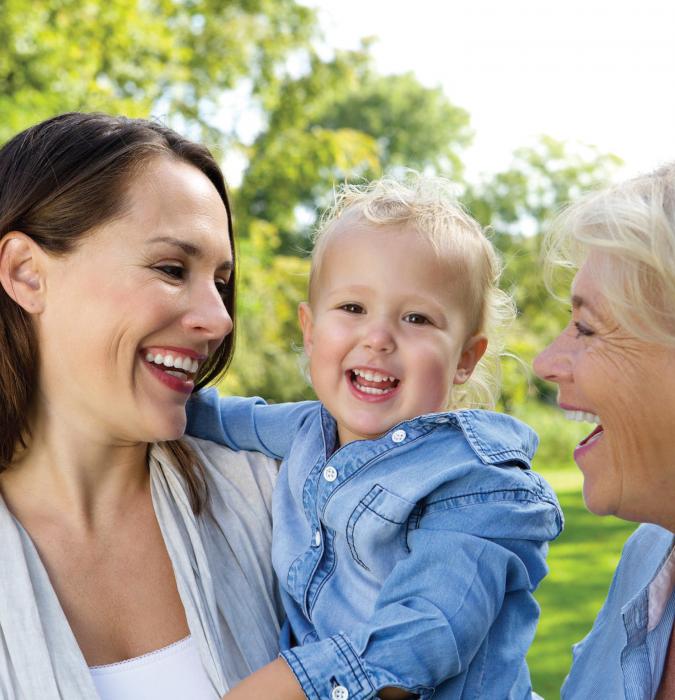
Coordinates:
[372,382]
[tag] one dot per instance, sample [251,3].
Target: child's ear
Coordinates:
[307,325]
[473,350]
[20,271]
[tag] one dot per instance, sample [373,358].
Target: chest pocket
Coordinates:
[376,531]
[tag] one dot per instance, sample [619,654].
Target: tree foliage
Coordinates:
[340,120]
[174,57]
[212,68]
[519,205]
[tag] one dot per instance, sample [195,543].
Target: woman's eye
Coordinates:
[223,288]
[353,308]
[417,319]
[583,330]
[174,271]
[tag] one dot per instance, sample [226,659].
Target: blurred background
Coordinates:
[524,104]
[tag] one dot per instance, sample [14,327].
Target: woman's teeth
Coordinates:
[183,364]
[582,416]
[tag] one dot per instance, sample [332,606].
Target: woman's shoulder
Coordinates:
[247,473]
[646,549]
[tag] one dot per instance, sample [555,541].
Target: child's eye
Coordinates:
[174,271]
[417,319]
[353,308]
[583,330]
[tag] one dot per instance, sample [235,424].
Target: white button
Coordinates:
[317,538]
[339,693]
[330,473]
[398,435]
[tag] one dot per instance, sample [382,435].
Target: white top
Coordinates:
[172,673]
[223,567]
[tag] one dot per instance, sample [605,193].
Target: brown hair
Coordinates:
[58,180]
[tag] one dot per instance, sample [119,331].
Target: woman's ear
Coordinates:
[307,325]
[473,350]
[20,271]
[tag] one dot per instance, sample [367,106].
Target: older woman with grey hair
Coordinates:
[614,364]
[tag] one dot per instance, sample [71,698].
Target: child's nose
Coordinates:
[379,338]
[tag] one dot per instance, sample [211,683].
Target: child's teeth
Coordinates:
[372,376]
[372,390]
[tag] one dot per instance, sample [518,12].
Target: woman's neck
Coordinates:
[67,473]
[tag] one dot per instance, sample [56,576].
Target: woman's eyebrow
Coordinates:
[188,248]
[578,302]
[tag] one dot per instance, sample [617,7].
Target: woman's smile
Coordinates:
[176,367]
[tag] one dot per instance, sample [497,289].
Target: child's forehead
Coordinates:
[401,256]
[385,241]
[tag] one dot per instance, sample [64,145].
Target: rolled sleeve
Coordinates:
[321,667]
[432,617]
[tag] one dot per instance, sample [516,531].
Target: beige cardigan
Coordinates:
[223,569]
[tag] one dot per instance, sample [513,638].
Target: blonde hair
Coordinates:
[428,207]
[631,229]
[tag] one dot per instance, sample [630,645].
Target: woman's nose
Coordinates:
[553,363]
[208,315]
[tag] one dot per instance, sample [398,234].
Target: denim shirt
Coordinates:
[409,560]
[624,653]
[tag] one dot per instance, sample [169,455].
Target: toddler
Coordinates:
[408,539]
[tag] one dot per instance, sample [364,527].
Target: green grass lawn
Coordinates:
[581,560]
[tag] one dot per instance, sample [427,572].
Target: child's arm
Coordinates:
[246,423]
[276,680]
[455,598]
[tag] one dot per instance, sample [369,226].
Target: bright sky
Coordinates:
[598,72]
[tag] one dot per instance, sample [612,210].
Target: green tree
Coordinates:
[519,204]
[340,120]
[175,57]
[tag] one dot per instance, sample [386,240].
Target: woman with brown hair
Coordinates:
[132,564]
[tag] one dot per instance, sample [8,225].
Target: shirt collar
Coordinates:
[661,589]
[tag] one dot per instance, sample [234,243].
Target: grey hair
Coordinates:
[631,229]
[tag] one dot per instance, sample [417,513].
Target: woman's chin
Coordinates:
[597,500]
[167,429]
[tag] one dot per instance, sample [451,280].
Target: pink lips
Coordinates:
[587,443]
[182,386]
